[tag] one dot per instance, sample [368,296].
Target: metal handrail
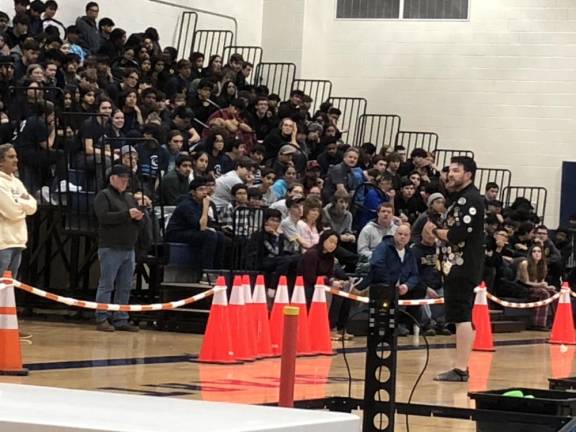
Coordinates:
[193,9]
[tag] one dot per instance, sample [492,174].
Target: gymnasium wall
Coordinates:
[502,84]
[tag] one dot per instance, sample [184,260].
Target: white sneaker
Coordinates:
[69,187]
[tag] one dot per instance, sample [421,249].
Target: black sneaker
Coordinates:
[444,331]
[127,327]
[453,375]
[105,326]
[429,332]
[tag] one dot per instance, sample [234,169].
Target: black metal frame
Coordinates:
[352,109]
[379,129]
[210,42]
[319,90]
[502,177]
[252,54]
[278,77]
[442,156]
[381,357]
[417,139]
[187,28]
[537,195]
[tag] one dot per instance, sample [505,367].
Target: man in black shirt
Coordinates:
[16,34]
[119,222]
[262,120]
[462,258]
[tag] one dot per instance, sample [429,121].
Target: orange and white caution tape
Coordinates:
[362,299]
[347,295]
[523,305]
[115,307]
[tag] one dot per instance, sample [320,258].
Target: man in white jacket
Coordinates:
[15,205]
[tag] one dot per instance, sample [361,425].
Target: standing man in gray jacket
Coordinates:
[119,222]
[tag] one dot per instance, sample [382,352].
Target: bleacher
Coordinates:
[64,236]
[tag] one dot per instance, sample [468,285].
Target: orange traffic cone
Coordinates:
[318,322]
[299,301]
[249,312]
[563,328]
[277,316]
[481,320]
[263,340]
[243,349]
[217,343]
[10,355]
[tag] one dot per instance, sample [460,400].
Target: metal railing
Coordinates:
[379,129]
[202,11]
[211,42]
[318,90]
[252,54]
[411,140]
[442,156]
[186,30]
[352,109]
[278,77]
[535,194]
[502,177]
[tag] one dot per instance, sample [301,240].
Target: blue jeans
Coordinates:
[10,260]
[116,271]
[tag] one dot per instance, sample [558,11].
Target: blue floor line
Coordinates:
[192,358]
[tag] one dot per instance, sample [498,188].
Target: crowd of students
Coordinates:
[233,161]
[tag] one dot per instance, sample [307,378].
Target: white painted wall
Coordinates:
[502,84]
[136,15]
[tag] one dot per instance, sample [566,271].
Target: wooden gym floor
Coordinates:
[163,364]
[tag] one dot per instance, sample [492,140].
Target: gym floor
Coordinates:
[164,364]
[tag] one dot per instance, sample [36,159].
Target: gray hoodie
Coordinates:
[371,236]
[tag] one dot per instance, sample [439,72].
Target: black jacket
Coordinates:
[116,229]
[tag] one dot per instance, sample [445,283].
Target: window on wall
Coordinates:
[402,9]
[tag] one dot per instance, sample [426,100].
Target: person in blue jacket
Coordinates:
[394,264]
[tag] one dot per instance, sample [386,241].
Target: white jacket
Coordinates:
[13,212]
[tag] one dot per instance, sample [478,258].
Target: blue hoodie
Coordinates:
[386,267]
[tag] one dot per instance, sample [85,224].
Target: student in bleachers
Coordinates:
[491,192]
[345,176]
[394,160]
[373,233]
[266,250]
[531,275]
[283,183]
[267,179]
[380,193]
[225,183]
[176,181]
[309,231]
[295,190]
[189,224]
[407,204]
[88,29]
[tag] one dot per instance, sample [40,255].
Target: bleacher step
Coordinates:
[508,326]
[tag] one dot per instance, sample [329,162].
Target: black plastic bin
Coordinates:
[562,383]
[545,402]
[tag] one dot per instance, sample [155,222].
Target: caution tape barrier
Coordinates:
[113,307]
[421,302]
[363,299]
[523,305]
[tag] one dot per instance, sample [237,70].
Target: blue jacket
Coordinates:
[186,217]
[386,267]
